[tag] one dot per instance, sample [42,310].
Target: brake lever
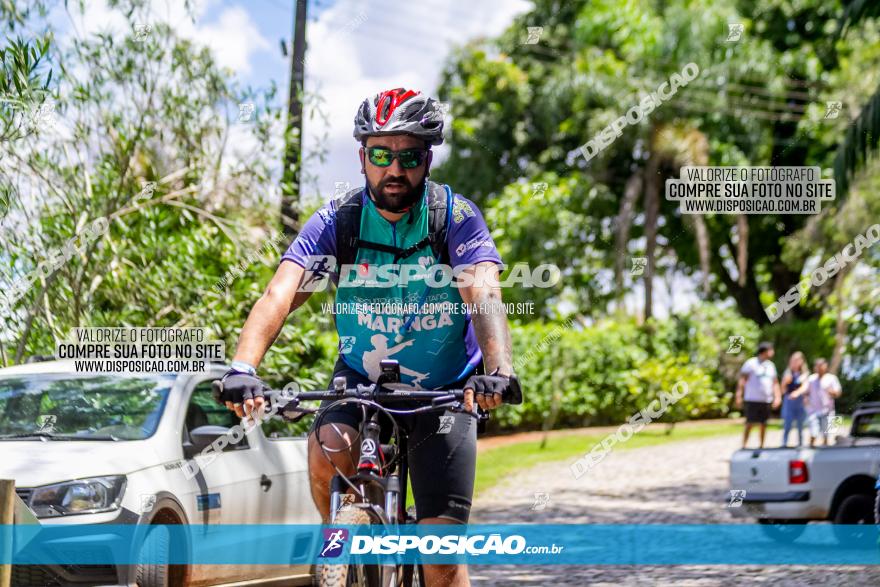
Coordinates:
[292,413]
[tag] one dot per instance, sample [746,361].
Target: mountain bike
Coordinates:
[380,479]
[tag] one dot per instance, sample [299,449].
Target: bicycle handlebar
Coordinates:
[433,400]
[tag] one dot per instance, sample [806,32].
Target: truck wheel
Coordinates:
[784,531]
[855,510]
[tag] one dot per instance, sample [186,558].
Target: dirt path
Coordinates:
[676,483]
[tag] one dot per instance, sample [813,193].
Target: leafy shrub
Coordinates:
[605,373]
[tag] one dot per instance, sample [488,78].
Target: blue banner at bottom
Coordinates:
[476,544]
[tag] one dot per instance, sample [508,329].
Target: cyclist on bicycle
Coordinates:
[398,218]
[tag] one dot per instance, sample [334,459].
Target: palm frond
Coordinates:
[856,12]
[859,143]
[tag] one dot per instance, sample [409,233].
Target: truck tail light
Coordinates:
[797,472]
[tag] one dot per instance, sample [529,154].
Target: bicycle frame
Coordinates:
[392,483]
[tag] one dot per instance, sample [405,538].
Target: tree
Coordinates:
[144,147]
[521,112]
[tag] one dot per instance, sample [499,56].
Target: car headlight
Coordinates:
[82,496]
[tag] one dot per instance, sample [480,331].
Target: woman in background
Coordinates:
[794,386]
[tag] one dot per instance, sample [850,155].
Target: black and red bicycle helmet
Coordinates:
[400,111]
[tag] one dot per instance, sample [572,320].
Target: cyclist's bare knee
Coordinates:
[335,438]
[451,575]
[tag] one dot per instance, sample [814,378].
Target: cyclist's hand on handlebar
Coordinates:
[488,390]
[240,392]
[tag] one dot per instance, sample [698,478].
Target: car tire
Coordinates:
[784,531]
[855,510]
[159,548]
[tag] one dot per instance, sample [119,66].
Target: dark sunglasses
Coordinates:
[409,158]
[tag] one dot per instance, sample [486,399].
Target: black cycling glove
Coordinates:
[236,387]
[508,387]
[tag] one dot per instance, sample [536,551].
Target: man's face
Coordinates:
[394,187]
[770,353]
[821,368]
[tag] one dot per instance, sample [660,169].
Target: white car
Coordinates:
[784,488]
[89,448]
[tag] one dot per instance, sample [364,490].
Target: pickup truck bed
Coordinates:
[798,485]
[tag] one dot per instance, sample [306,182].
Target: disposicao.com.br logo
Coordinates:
[334,542]
[478,544]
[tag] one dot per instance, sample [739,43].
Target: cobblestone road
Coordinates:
[676,483]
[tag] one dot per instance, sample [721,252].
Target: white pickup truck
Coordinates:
[90,448]
[784,488]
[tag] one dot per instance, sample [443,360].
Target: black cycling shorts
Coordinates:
[441,466]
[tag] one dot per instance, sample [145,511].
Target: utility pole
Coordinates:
[291,176]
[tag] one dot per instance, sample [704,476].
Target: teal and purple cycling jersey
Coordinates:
[435,345]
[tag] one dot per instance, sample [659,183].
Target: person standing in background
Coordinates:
[822,387]
[794,386]
[759,387]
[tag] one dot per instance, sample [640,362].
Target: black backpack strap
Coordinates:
[348,226]
[439,209]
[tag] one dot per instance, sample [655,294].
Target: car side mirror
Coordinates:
[204,436]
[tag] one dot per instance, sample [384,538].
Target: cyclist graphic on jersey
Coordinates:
[381,352]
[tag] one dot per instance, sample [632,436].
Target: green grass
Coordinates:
[495,464]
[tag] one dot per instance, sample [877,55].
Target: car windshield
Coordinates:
[68,406]
[867,425]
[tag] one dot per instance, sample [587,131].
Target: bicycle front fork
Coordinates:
[339,489]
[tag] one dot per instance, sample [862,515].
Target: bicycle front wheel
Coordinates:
[350,575]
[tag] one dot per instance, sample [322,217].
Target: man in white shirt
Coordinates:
[759,386]
[822,388]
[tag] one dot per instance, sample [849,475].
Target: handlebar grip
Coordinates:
[217,392]
[514,396]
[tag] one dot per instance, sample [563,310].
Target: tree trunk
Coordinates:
[652,213]
[624,224]
[840,326]
[742,247]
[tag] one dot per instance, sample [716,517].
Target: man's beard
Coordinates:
[399,202]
